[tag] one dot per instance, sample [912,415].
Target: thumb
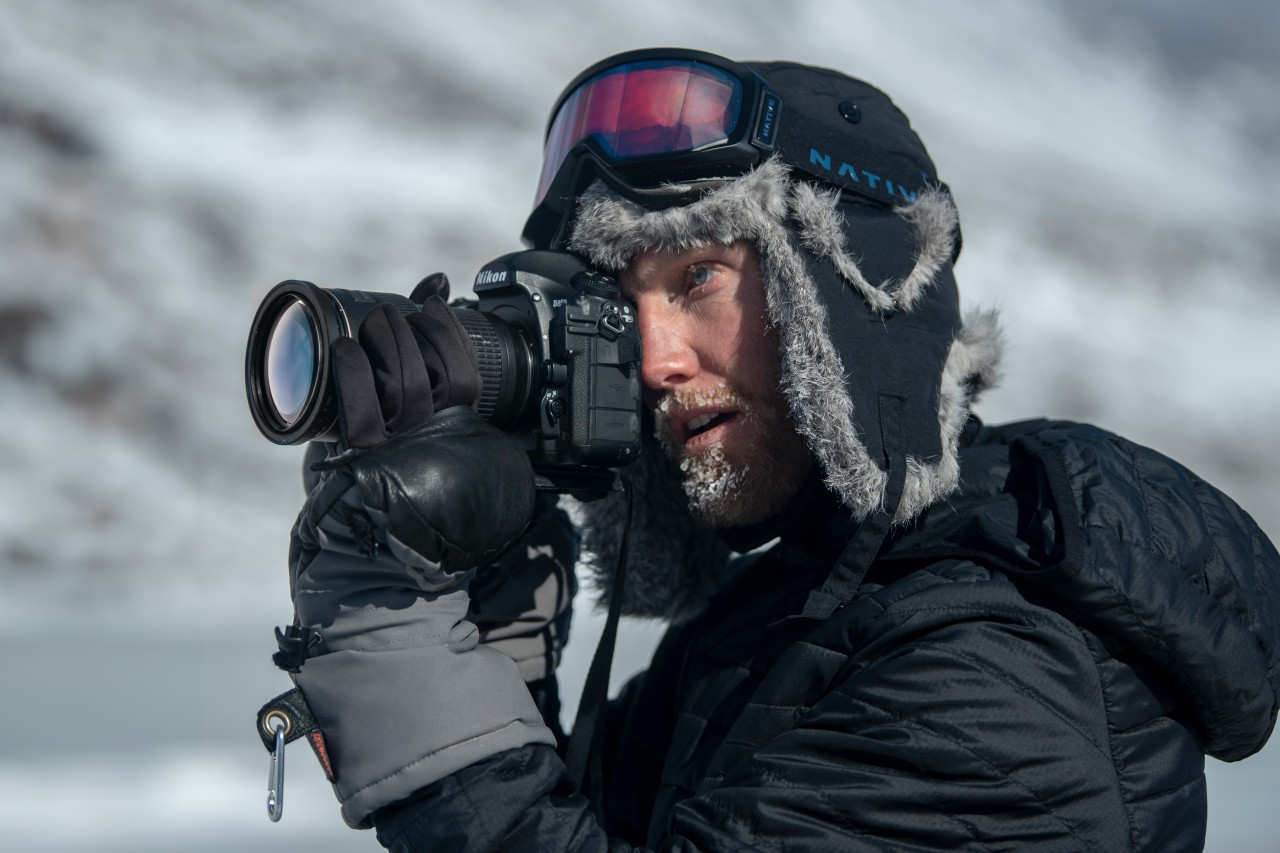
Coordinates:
[436,284]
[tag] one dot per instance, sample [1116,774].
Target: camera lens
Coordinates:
[291,360]
[287,372]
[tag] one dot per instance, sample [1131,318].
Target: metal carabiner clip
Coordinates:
[280,724]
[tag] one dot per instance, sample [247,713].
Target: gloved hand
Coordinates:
[420,491]
[522,602]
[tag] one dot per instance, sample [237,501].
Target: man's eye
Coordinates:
[699,276]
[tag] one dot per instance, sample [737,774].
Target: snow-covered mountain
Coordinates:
[163,163]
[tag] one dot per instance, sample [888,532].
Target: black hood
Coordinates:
[1133,548]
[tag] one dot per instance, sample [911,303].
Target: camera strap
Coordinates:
[584,755]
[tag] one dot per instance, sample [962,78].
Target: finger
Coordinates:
[436,284]
[448,354]
[359,415]
[400,377]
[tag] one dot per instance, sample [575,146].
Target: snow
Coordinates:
[162,165]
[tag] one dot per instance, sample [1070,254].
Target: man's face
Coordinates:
[711,369]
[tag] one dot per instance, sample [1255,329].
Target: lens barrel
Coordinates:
[506,365]
[288,376]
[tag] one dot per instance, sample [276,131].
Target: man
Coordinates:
[962,638]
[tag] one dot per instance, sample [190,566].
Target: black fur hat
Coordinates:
[847,133]
[877,366]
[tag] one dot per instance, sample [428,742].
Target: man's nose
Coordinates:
[669,356]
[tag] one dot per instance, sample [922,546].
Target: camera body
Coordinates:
[581,403]
[558,351]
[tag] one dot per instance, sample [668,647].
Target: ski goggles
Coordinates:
[646,118]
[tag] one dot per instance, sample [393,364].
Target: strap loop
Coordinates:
[292,709]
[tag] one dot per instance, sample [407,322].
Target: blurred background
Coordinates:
[163,163]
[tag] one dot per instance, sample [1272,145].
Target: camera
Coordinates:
[558,350]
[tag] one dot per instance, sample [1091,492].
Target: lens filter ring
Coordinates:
[287,376]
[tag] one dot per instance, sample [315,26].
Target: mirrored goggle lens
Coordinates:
[643,109]
[291,362]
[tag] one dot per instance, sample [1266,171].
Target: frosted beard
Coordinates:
[745,482]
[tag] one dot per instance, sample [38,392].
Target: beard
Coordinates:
[747,481]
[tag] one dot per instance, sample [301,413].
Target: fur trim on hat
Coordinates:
[760,207]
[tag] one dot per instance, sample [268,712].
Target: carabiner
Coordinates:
[278,723]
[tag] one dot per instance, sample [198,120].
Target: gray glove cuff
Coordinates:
[406,696]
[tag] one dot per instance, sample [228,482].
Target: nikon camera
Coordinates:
[558,349]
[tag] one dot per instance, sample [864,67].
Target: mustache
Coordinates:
[683,400]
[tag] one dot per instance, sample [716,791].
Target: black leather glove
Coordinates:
[418,492]
[402,370]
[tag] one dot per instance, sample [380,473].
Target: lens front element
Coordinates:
[291,362]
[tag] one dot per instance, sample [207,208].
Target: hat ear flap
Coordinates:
[844,353]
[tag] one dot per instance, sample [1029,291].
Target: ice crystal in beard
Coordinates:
[713,484]
[717,486]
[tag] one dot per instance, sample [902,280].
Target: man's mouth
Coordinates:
[693,422]
[702,423]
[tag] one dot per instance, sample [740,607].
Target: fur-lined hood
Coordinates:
[876,363]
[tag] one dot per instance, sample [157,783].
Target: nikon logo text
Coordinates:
[491,276]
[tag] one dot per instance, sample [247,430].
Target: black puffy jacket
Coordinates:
[1040,662]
